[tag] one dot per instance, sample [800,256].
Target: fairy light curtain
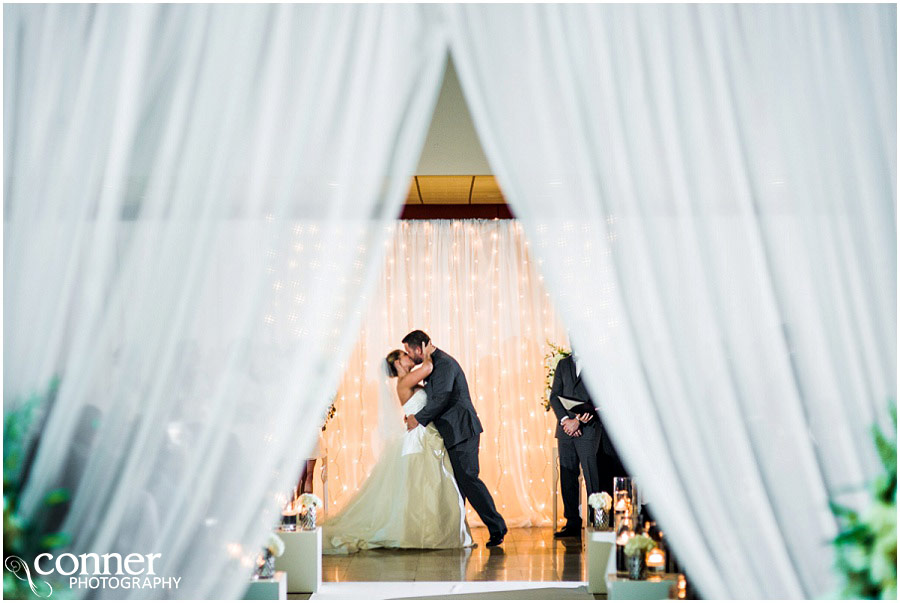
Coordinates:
[473,287]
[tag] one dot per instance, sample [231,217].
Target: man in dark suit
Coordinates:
[450,408]
[579,432]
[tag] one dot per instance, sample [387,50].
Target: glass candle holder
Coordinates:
[623,496]
[656,560]
[289,517]
[624,533]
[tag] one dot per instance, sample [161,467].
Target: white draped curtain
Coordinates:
[168,169]
[715,187]
[472,286]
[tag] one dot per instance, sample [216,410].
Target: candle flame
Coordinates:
[656,558]
[624,537]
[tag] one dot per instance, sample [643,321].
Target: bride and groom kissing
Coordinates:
[415,496]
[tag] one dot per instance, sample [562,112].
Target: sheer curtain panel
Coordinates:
[711,193]
[170,170]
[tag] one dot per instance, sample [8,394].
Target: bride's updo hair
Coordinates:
[393,357]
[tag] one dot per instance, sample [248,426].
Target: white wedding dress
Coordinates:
[410,500]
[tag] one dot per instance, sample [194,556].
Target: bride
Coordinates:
[410,500]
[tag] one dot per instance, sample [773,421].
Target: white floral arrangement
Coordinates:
[309,500]
[639,545]
[600,501]
[551,359]
[275,545]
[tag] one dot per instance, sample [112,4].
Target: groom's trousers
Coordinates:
[464,459]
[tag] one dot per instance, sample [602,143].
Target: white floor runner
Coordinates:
[453,590]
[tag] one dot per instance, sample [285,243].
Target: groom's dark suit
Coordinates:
[450,408]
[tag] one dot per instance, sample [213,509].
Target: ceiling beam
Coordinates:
[457,211]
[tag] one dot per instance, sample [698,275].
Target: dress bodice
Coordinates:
[415,403]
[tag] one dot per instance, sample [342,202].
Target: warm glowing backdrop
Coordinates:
[472,286]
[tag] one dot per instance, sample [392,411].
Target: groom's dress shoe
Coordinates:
[568,532]
[495,540]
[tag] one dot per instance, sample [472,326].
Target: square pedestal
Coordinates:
[273,588]
[601,558]
[663,586]
[302,560]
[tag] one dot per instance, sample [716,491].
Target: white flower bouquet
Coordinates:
[600,501]
[275,545]
[265,562]
[639,545]
[308,505]
[556,353]
[309,500]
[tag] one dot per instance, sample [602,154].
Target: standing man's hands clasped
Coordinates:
[571,427]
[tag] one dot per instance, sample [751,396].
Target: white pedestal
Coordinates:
[663,586]
[601,559]
[270,589]
[302,560]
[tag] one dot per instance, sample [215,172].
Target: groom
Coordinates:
[450,408]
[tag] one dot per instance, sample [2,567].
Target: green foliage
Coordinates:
[866,547]
[21,537]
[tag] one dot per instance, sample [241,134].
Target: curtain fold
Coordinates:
[711,191]
[171,171]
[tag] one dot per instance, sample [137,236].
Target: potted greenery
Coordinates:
[24,538]
[866,547]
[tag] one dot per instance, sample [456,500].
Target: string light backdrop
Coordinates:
[471,285]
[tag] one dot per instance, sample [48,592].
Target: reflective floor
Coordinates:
[527,554]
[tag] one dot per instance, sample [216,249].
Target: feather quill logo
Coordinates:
[18,567]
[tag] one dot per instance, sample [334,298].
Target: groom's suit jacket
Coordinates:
[568,384]
[449,406]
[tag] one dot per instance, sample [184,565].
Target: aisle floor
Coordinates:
[527,555]
[515,591]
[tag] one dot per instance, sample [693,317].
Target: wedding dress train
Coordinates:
[410,500]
